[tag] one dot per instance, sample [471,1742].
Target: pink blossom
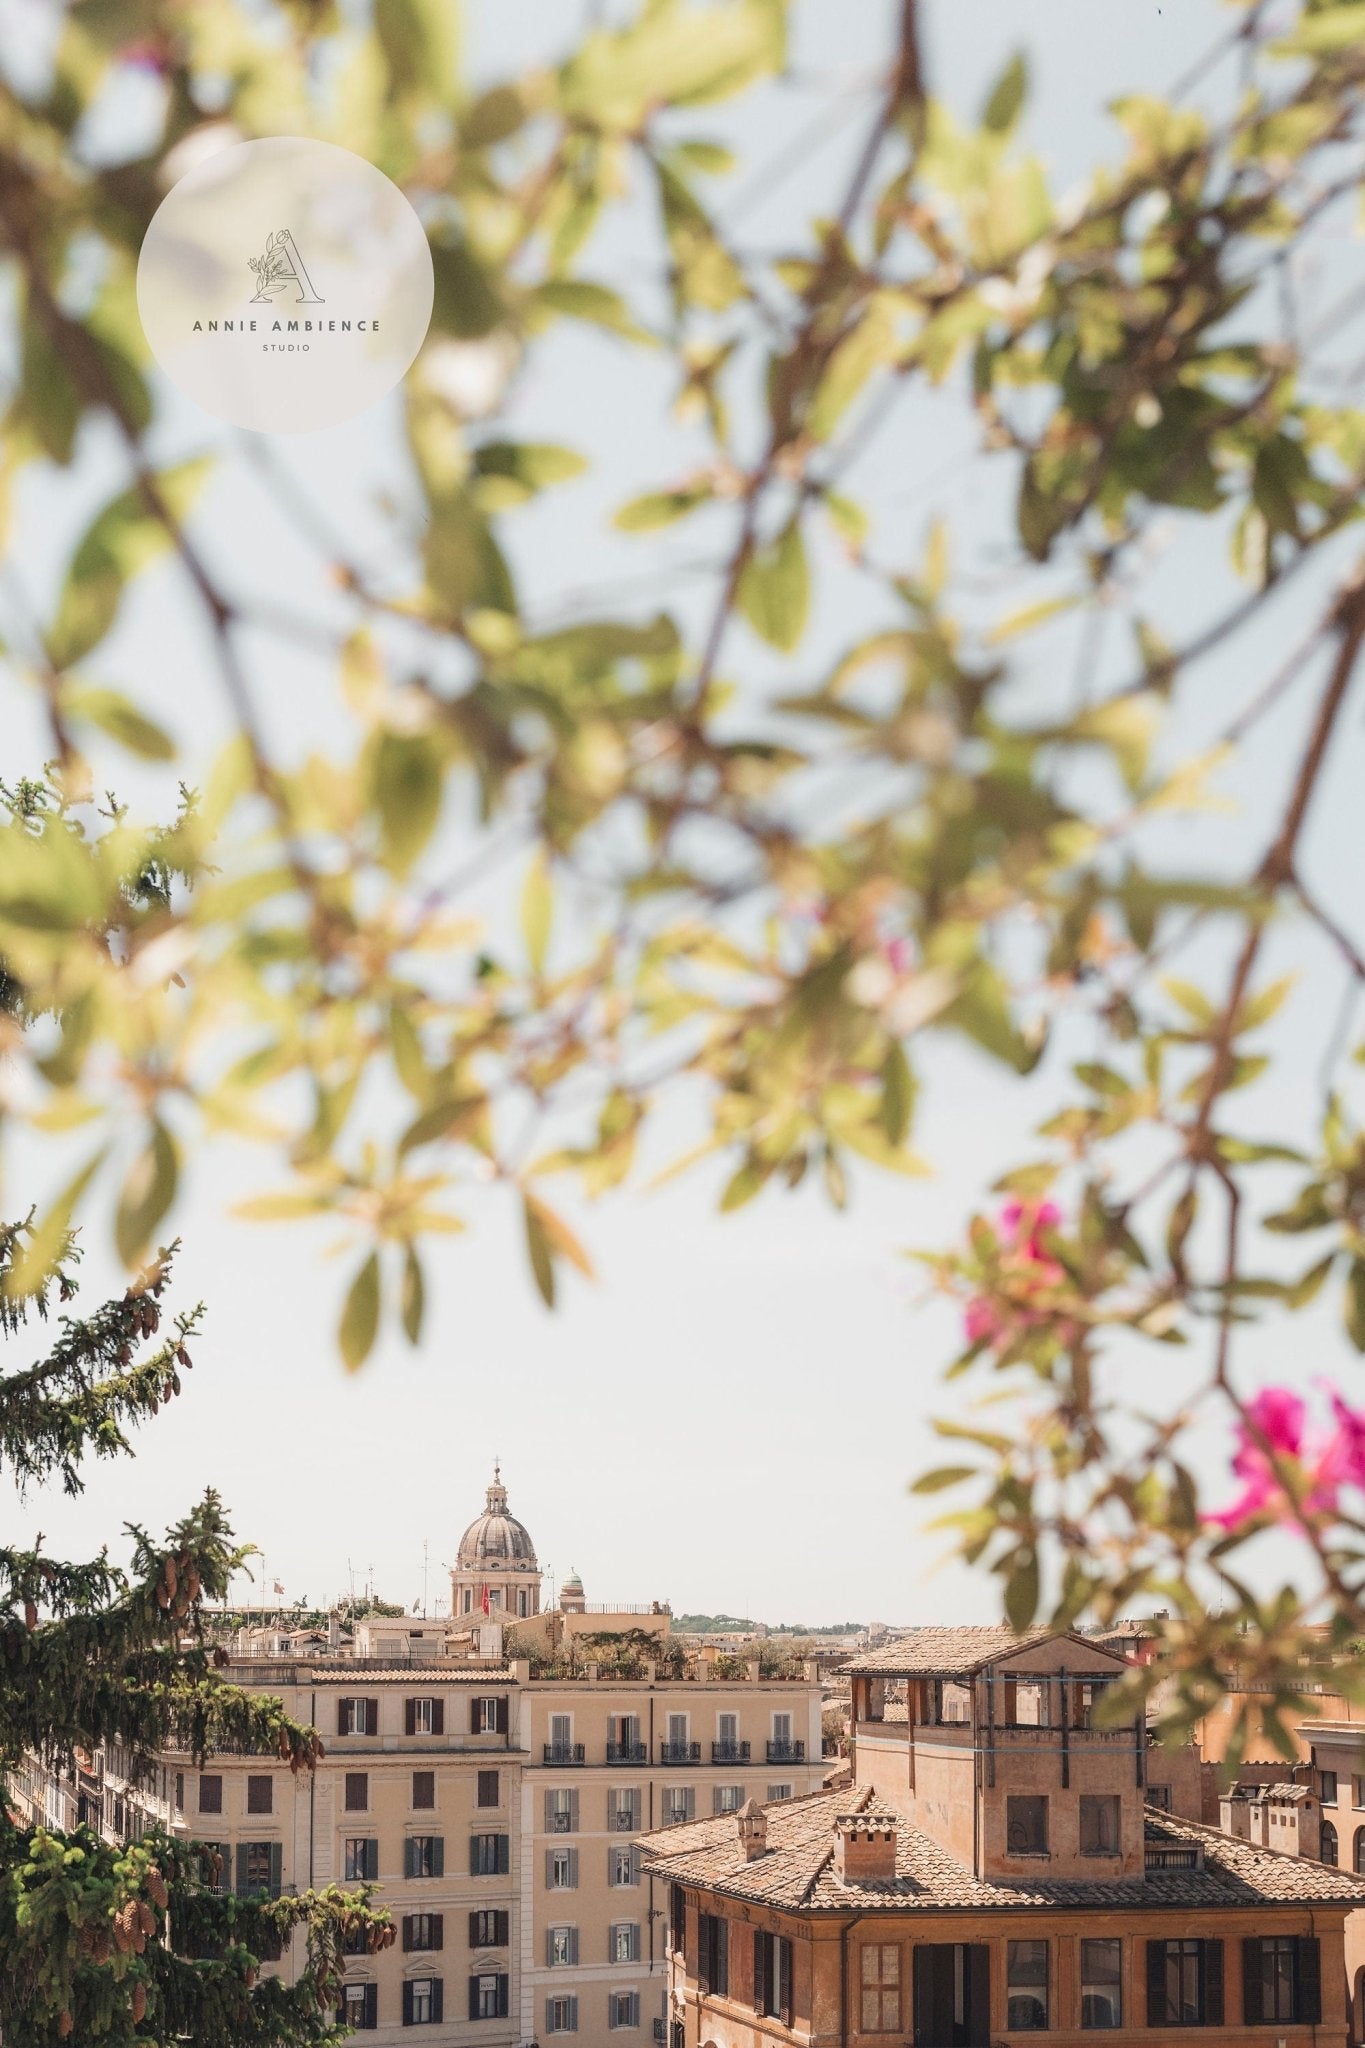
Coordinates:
[1274,1431]
[900,954]
[1026,1269]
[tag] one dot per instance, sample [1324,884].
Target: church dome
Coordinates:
[496,1537]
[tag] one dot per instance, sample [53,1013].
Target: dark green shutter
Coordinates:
[720,1962]
[504,1854]
[1252,2006]
[407,1934]
[502,1998]
[1307,1981]
[1213,1983]
[371,2005]
[438,1930]
[502,1722]
[1156,1983]
[409,1717]
[473,1994]
[784,1980]
[760,1971]
[241,1869]
[438,1855]
[438,1999]
[438,1717]
[473,1855]
[409,1857]
[407,2005]
[276,1868]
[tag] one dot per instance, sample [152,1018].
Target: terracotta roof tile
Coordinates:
[954,1651]
[797,1870]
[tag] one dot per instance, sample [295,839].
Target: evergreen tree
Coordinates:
[134,1944]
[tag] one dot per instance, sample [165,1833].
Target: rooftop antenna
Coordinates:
[426,1549]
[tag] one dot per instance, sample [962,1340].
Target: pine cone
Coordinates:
[146,1918]
[183,1356]
[139,2003]
[30,1615]
[65,2024]
[156,1888]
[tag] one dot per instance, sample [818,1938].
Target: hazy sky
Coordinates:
[728,1419]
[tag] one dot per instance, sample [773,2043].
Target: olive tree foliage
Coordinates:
[1123,354]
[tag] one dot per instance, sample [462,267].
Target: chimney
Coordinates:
[865,1848]
[752,1823]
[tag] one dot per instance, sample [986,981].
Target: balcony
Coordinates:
[729,1752]
[627,1753]
[565,1753]
[786,1752]
[679,1752]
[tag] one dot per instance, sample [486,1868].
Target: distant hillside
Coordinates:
[734,1625]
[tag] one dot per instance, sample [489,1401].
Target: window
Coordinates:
[488,1930]
[623,1866]
[1101,1984]
[488,1997]
[260,1795]
[677,1918]
[210,1792]
[561,1947]
[561,1813]
[423,1931]
[727,1798]
[1026,1703]
[713,1953]
[1100,1819]
[360,1859]
[359,2007]
[561,2015]
[422,2002]
[1327,1849]
[1358,1853]
[357,1791]
[727,1731]
[1281,1979]
[623,1942]
[1184,1983]
[1358,1790]
[623,2009]
[623,1739]
[1327,1787]
[1026,1825]
[951,1701]
[488,1715]
[424,1856]
[880,1972]
[772,1976]
[424,1717]
[778,1792]
[1159,1796]
[680,1804]
[623,1808]
[355,1942]
[1026,1987]
[561,1870]
[423,1790]
[1086,1695]
[259,1867]
[677,1730]
[489,1855]
[357,1717]
[489,1789]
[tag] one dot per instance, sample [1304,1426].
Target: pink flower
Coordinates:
[1274,1432]
[1026,1269]
[900,954]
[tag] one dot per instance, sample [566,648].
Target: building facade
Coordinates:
[495,1802]
[993,1871]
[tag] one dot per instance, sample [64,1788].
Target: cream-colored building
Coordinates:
[492,1788]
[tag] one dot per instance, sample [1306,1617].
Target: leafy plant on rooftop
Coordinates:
[959,828]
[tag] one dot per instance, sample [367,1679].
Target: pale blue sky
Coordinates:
[728,1419]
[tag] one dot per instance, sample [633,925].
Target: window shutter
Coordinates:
[372,2005]
[549,1947]
[502,1715]
[1213,1983]
[407,2005]
[473,1856]
[1308,1982]
[760,1971]
[784,1980]
[473,1993]
[241,1868]
[1251,1981]
[720,1961]
[409,1717]
[504,1854]
[573,1944]
[276,1867]
[502,1998]
[343,1717]
[371,1717]
[549,1813]
[438,1717]
[438,1855]
[573,1869]
[549,1869]
[407,1934]
[549,2016]
[438,1998]
[573,2015]
[409,1856]
[1156,1983]
[473,1714]
[573,1810]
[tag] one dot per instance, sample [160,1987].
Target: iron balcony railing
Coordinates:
[729,1752]
[679,1752]
[565,1753]
[627,1753]
[785,1751]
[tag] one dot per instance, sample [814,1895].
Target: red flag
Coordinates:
[486,1607]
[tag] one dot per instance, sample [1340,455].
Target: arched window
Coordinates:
[1358,1853]
[1329,1842]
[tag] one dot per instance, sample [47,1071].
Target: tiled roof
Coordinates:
[306,1671]
[956,1651]
[797,1871]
